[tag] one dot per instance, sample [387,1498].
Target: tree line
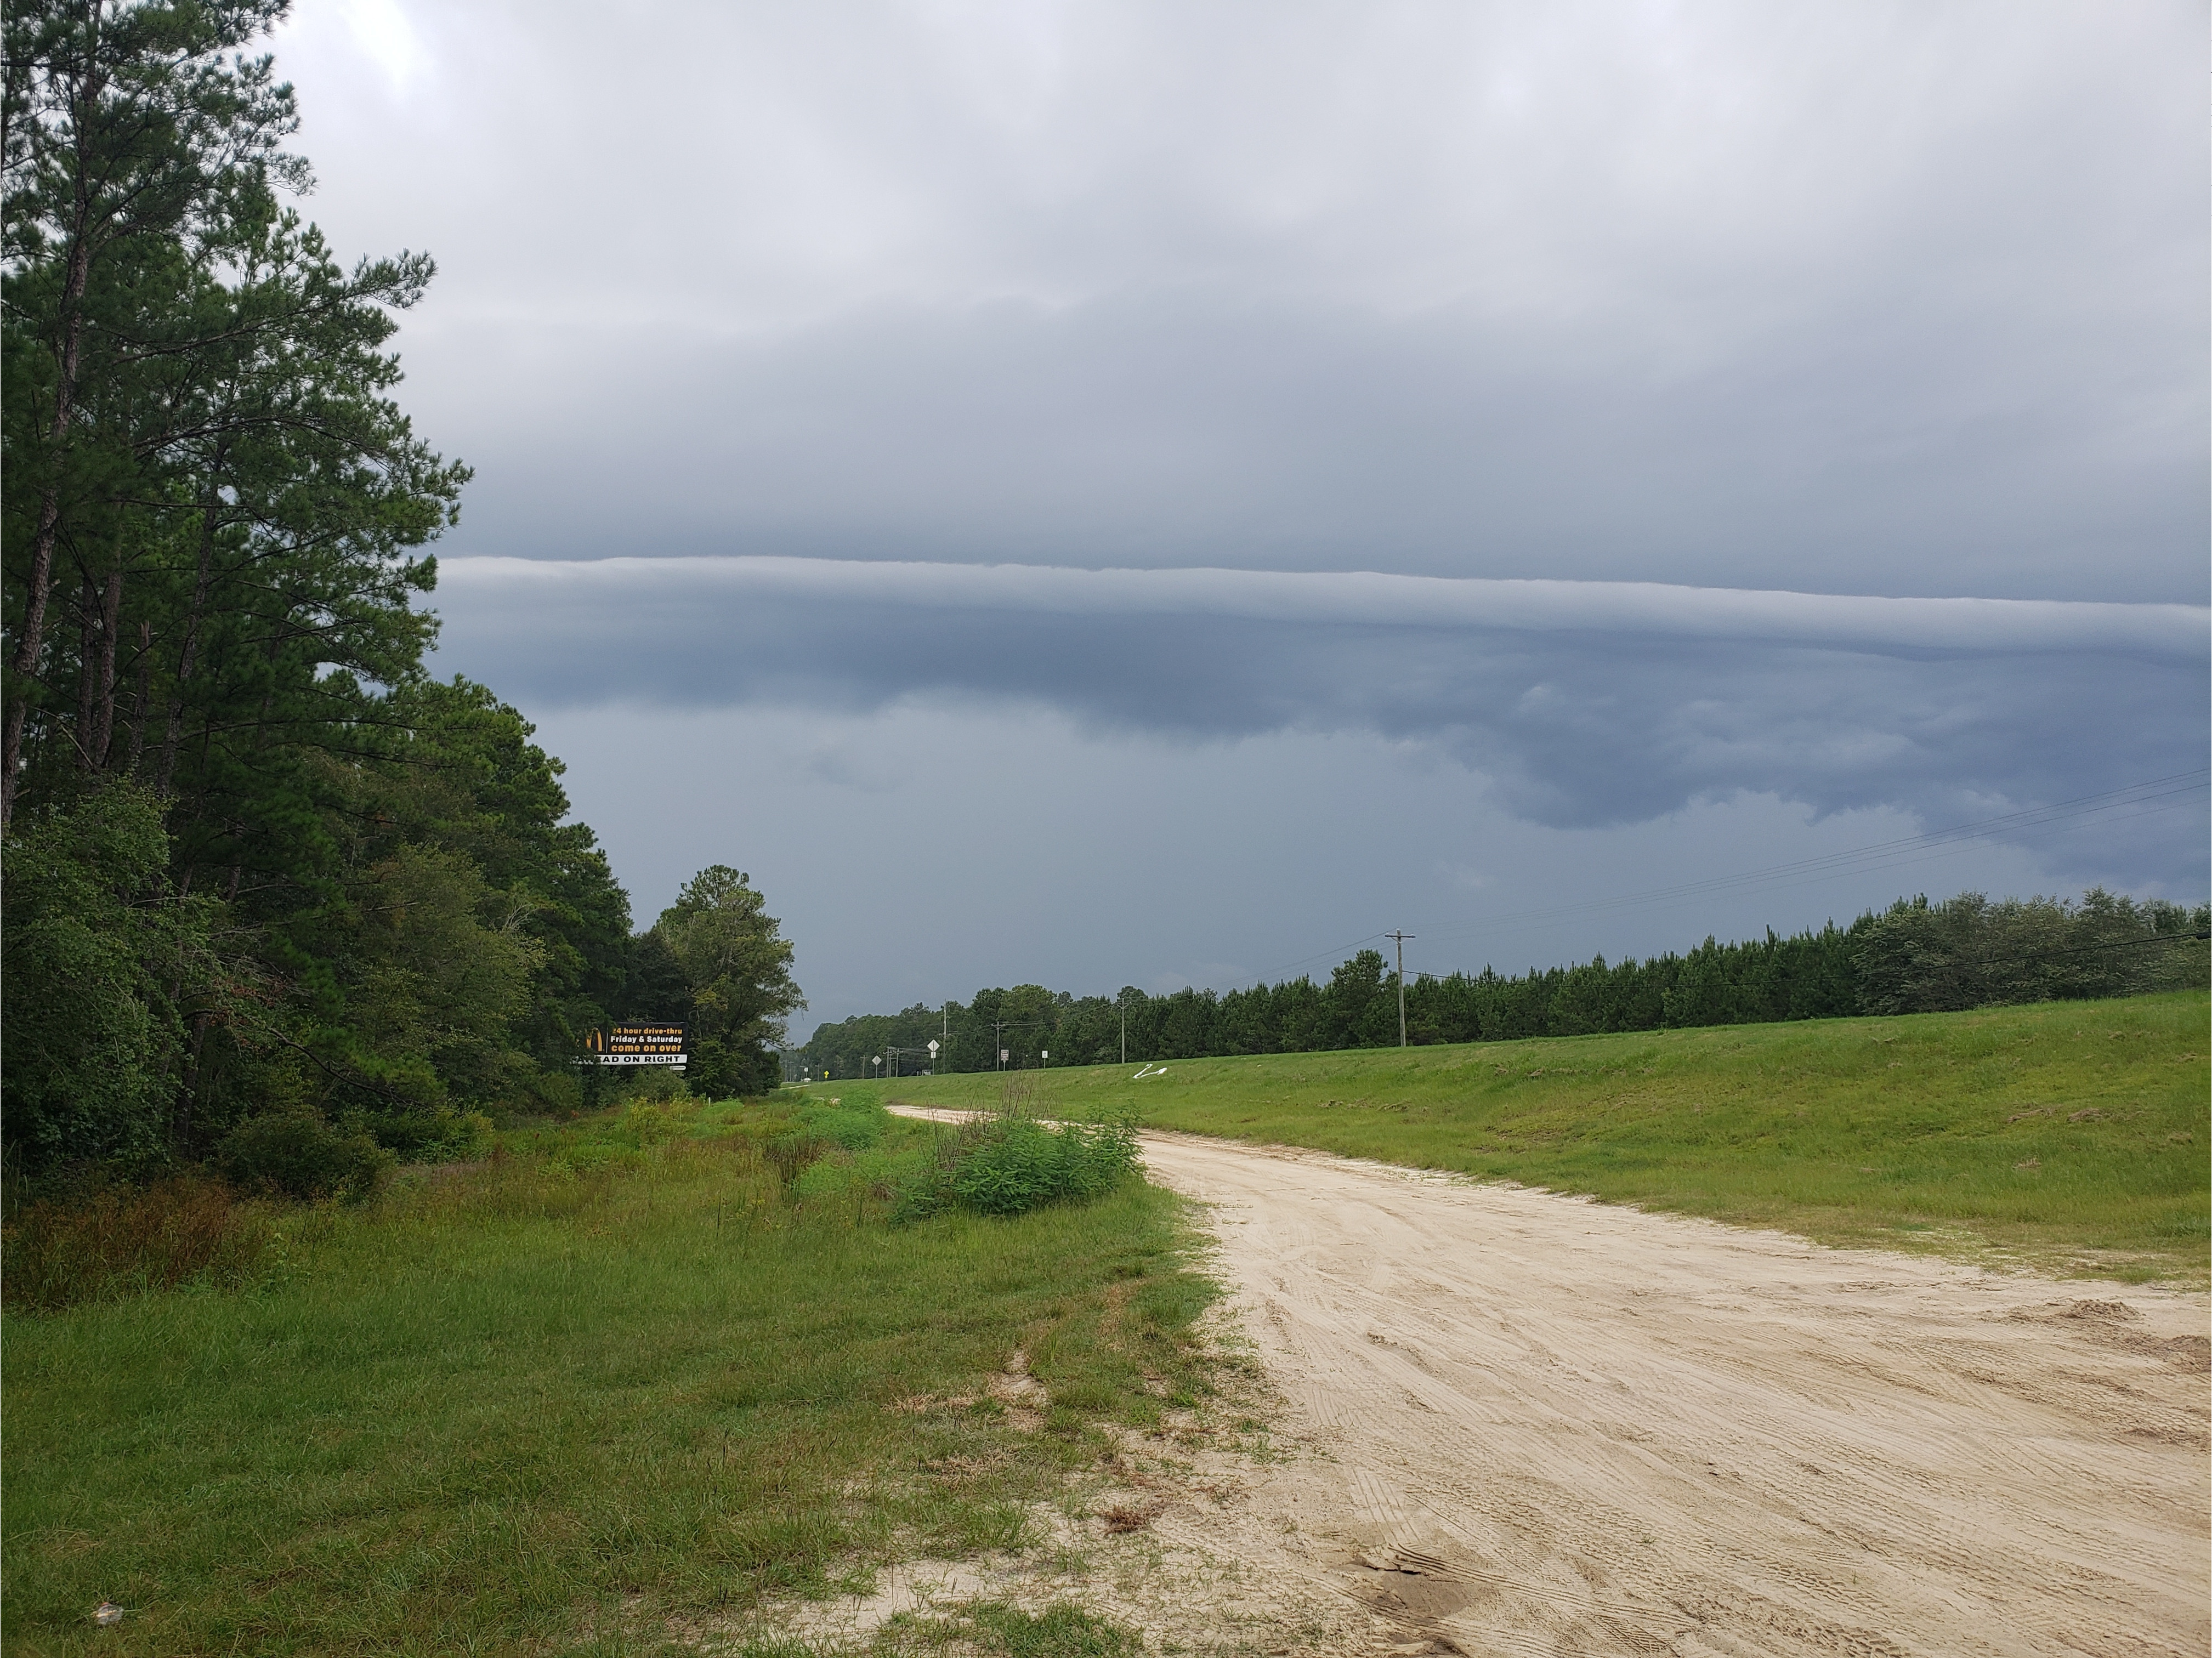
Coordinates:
[1916,956]
[268,882]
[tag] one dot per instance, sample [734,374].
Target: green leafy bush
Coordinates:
[1009,1165]
[652,1084]
[93,958]
[302,1157]
[649,1125]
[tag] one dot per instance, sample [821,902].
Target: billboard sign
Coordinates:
[638,1044]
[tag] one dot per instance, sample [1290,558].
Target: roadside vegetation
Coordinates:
[1914,958]
[281,905]
[2069,1134]
[656,1364]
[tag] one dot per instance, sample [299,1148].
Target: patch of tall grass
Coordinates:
[107,1240]
[1063,1630]
[612,1372]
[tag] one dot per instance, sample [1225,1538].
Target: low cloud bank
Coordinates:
[1647,608]
[1589,703]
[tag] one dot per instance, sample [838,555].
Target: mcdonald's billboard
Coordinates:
[638,1044]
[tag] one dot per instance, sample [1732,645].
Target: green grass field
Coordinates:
[2069,1135]
[635,1369]
[620,1372]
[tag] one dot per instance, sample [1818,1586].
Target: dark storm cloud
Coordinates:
[1856,297]
[1887,444]
[1589,703]
[1863,297]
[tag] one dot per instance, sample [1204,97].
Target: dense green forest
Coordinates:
[1915,957]
[276,899]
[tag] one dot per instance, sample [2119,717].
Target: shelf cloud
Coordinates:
[1588,702]
[1648,609]
[1662,438]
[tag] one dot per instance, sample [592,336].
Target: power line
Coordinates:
[1336,955]
[2110,943]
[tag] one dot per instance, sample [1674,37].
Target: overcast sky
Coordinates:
[1104,493]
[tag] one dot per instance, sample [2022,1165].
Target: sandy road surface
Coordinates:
[1606,1432]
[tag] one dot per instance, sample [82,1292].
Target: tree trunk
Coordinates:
[188,655]
[31,640]
[187,1096]
[138,707]
[28,645]
[87,665]
[110,618]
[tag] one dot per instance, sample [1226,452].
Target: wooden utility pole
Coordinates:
[1399,938]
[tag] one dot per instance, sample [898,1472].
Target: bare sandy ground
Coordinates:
[1522,1423]
[1602,1431]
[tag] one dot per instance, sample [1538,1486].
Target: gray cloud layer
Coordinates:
[1935,447]
[1653,609]
[1869,297]
[1590,702]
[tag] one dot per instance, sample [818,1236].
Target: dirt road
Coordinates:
[1594,1429]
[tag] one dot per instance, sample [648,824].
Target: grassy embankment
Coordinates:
[622,1371]
[2071,1135]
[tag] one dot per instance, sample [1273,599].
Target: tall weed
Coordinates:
[118,1241]
[858,1126]
[831,1129]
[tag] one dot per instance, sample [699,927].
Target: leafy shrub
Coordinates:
[440,1135]
[653,1085]
[539,1092]
[303,1158]
[1009,1165]
[119,1240]
[90,961]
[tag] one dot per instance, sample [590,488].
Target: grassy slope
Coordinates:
[1960,1131]
[514,1399]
